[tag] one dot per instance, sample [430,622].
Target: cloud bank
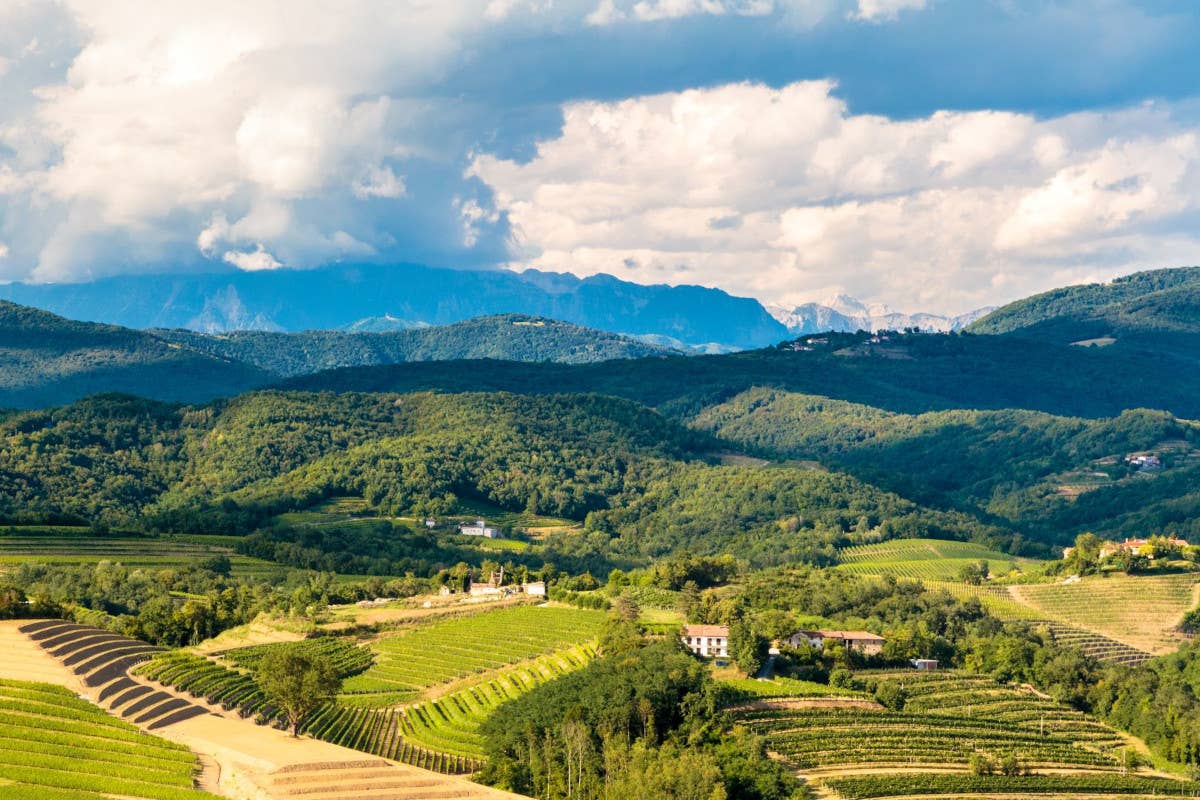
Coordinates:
[786,194]
[779,148]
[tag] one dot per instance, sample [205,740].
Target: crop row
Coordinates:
[229,688]
[463,646]
[379,733]
[449,724]
[345,657]
[53,744]
[870,786]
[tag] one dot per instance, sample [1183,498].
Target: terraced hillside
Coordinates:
[414,661]
[102,660]
[46,544]
[927,559]
[947,721]
[1140,611]
[55,746]
[424,692]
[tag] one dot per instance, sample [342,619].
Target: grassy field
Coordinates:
[1140,611]
[947,717]
[55,746]
[927,559]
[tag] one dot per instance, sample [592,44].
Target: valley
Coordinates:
[926,565]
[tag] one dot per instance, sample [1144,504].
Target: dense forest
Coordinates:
[46,360]
[1049,476]
[908,373]
[512,337]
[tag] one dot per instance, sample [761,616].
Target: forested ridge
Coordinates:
[513,337]
[909,373]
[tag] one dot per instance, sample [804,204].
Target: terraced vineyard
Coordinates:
[1095,645]
[511,650]
[947,719]
[996,599]
[926,559]
[1140,611]
[65,545]
[450,723]
[346,657]
[55,746]
[457,648]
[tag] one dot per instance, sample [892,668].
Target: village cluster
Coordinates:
[712,641]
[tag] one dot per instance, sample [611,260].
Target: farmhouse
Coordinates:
[535,588]
[493,587]
[479,528]
[707,640]
[925,664]
[863,641]
[1135,545]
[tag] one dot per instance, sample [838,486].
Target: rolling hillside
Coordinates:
[909,373]
[513,337]
[1151,312]
[47,360]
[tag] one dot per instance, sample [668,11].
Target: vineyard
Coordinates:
[346,658]
[55,746]
[865,787]
[511,650]
[1141,612]
[410,662]
[996,599]
[927,559]
[65,545]
[945,720]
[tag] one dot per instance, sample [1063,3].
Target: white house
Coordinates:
[535,589]
[925,664]
[479,528]
[863,641]
[707,640]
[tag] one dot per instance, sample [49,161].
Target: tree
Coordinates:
[298,683]
[748,647]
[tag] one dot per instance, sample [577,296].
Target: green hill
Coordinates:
[513,337]
[1153,312]
[46,359]
[1048,476]
[909,373]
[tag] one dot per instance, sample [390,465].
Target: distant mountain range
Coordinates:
[376,297]
[845,314]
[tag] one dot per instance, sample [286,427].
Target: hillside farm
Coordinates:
[44,544]
[927,559]
[1141,611]
[408,662]
[55,746]
[946,717]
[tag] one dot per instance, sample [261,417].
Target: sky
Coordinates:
[934,155]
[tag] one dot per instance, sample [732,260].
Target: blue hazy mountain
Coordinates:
[339,296]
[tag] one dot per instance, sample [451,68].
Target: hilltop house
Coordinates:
[864,642]
[1132,546]
[479,528]
[707,640]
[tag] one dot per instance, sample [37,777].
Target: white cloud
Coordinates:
[923,213]
[3,250]
[254,261]
[379,182]
[876,10]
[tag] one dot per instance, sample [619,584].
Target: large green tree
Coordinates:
[299,683]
